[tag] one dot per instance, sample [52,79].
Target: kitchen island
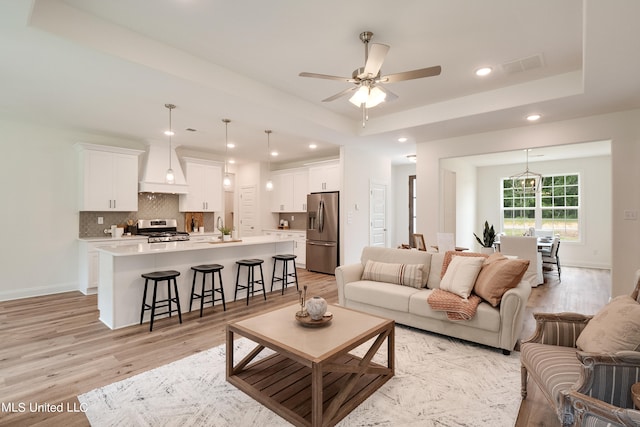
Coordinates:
[120,285]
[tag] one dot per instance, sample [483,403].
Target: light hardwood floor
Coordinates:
[53,348]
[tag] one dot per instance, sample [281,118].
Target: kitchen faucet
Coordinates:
[219,224]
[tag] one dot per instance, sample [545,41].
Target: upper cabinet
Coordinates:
[108,178]
[204,179]
[325,177]
[290,190]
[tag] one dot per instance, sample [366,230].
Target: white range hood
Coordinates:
[154,170]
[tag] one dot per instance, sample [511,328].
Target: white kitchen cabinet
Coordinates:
[108,178]
[325,177]
[204,180]
[290,191]
[299,243]
[300,190]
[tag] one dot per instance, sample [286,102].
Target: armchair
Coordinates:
[584,388]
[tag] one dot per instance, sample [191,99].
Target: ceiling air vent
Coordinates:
[523,64]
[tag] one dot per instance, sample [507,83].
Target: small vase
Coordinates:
[226,237]
[486,250]
[316,307]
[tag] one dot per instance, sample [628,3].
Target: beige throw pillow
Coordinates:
[616,327]
[498,275]
[450,255]
[399,274]
[461,275]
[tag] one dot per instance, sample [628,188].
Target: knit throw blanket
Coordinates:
[457,308]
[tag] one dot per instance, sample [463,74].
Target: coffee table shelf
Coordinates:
[305,388]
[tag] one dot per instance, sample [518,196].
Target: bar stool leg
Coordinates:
[193,289]
[224,306]
[204,276]
[169,295]
[144,300]
[285,275]
[264,293]
[153,305]
[249,283]
[273,273]
[235,294]
[295,274]
[175,286]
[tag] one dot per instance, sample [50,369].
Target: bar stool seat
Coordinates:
[159,276]
[207,293]
[251,264]
[285,259]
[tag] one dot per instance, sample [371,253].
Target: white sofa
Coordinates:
[498,327]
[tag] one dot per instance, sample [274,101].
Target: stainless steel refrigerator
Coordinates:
[322,232]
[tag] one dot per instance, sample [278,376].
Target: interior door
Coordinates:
[248,211]
[378,212]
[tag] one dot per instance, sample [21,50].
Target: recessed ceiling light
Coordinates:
[274,154]
[403,139]
[232,161]
[231,145]
[169,133]
[412,158]
[533,117]
[313,146]
[484,71]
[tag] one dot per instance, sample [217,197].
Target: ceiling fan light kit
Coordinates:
[368,92]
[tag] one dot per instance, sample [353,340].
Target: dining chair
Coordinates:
[551,258]
[525,248]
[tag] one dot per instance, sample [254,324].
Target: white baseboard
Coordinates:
[38,291]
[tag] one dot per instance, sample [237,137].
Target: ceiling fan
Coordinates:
[368,90]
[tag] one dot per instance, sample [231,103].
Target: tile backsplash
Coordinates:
[150,206]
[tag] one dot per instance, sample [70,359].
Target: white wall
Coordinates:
[39,187]
[623,129]
[360,168]
[466,196]
[399,228]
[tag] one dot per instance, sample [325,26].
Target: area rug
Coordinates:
[439,381]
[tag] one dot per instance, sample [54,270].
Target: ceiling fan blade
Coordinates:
[340,94]
[326,76]
[377,53]
[410,75]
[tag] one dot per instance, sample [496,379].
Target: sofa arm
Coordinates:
[560,329]
[347,274]
[512,309]
[582,410]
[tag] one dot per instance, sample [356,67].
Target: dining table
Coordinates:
[544,244]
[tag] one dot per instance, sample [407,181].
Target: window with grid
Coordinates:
[556,206]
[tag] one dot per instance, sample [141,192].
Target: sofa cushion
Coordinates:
[616,327]
[497,276]
[487,318]
[434,273]
[461,275]
[398,256]
[399,274]
[450,255]
[556,368]
[387,295]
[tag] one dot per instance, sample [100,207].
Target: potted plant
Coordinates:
[488,238]
[226,232]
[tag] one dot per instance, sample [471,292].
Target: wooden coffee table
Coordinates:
[312,379]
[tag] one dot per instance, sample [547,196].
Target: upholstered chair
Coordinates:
[585,388]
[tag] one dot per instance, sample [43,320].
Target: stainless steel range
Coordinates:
[161,230]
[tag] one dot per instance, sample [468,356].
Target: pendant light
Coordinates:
[528,180]
[170,177]
[269,185]
[226,182]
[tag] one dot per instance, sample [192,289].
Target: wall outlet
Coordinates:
[100,220]
[292,218]
[631,215]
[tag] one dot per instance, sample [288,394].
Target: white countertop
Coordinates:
[138,248]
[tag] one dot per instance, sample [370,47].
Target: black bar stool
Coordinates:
[285,259]
[159,276]
[251,264]
[206,269]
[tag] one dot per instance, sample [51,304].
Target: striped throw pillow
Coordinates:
[399,274]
